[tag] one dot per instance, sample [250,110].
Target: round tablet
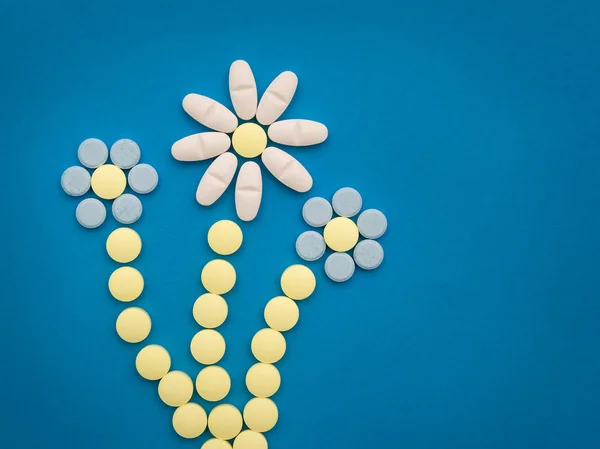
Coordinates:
[153,362]
[213,383]
[225,237]
[189,420]
[268,346]
[261,414]
[339,267]
[368,254]
[281,313]
[90,213]
[125,153]
[126,284]
[341,234]
[210,310]
[249,140]
[317,212]
[75,181]
[263,380]
[208,346]
[123,245]
[298,282]
[175,388]
[142,178]
[218,276]
[225,421]
[310,246]
[372,224]
[347,202]
[250,439]
[133,324]
[92,153]
[108,181]
[127,208]
[215,443]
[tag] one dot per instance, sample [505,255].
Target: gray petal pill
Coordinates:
[75,181]
[339,267]
[142,178]
[90,213]
[127,208]
[347,202]
[125,153]
[368,254]
[317,212]
[310,245]
[372,224]
[92,153]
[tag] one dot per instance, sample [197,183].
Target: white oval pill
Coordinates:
[297,132]
[242,88]
[201,146]
[287,169]
[248,191]
[216,179]
[276,98]
[210,113]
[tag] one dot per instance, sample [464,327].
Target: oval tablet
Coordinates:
[242,88]
[153,362]
[215,443]
[201,146]
[133,324]
[90,213]
[225,237]
[142,178]
[208,346]
[339,267]
[126,284]
[347,202]
[341,234]
[123,245]
[281,313]
[218,276]
[225,422]
[248,191]
[210,113]
[317,212]
[268,346]
[216,179]
[210,310]
[175,388]
[368,254]
[92,153]
[189,420]
[125,153]
[260,414]
[213,383]
[298,282]
[372,224]
[75,181]
[250,439]
[127,209]
[310,246]
[276,98]
[297,132]
[287,169]
[108,181]
[263,380]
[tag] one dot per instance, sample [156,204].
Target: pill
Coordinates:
[317,212]
[372,224]
[201,146]
[90,213]
[310,246]
[341,234]
[208,346]
[218,276]
[175,388]
[281,313]
[268,345]
[225,237]
[298,282]
[125,153]
[142,178]
[210,310]
[339,267]
[153,362]
[92,153]
[347,202]
[297,132]
[123,245]
[75,181]
[189,420]
[126,284]
[108,181]
[210,113]
[242,88]
[127,208]
[248,191]
[276,98]
[133,324]
[215,443]
[368,254]
[225,422]
[287,170]
[249,439]
[260,414]
[249,140]
[263,380]
[216,179]
[213,383]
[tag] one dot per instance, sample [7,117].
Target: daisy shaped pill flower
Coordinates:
[248,139]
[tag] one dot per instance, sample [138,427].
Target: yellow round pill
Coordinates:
[341,234]
[108,181]
[210,310]
[250,439]
[263,380]
[208,346]
[189,420]
[215,443]
[175,388]
[218,276]
[126,284]
[260,414]
[213,383]
[298,282]
[249,140]
[123,245]
[133,324]
[225,421]
[281,313]
[225,237]
[268,345]
[153,362]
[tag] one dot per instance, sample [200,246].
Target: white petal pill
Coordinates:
[216,179]
[298,132]
[276,98]
[287,169]
[248,191]
[210,113]
[199,147]
[242,88]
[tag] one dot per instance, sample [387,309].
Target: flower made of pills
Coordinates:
[341,234]
[249,139]
[108,181]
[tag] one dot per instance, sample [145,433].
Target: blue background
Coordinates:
[473,125]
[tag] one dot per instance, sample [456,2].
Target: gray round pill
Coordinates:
[125,153]
[90,213]
[372,224]
[317,212]
[347,202]
[339,267]
[127,208]
[92,153]
[368,254]
[310,245]
[142,178]
[75,181]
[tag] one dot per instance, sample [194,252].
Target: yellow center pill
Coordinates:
[281,313]
[215,443]
[250,439]
[249,140]
[133,324]
[263,380]
[225,421]
[208,346]
[210,310]
[298,282]
[268,345]
[189,420]
[153,362]
[108,181]
[123,245]
[341,234]
[213,383]
[225,237]
[260,414]
[126,284]
[175,388]
[218,276]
